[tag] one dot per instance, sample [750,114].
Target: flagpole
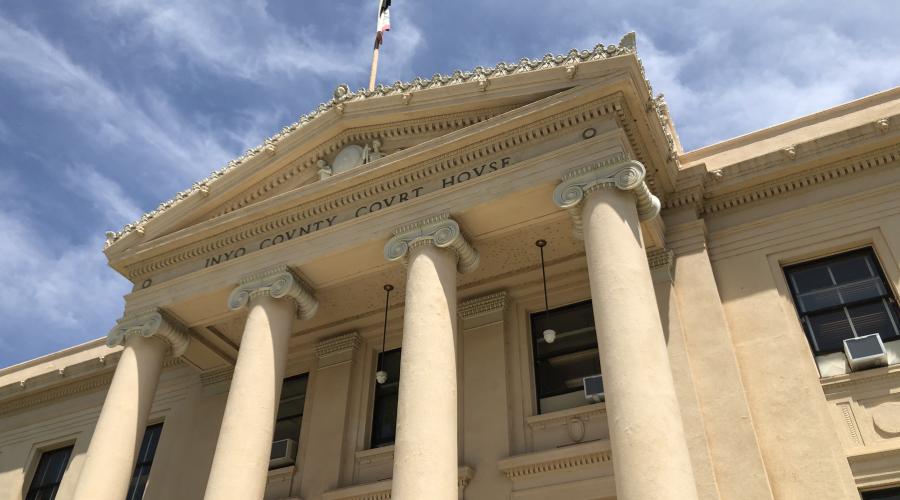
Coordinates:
[377,46]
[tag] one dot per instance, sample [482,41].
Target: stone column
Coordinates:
[425,450]
[241,460]
[650,453]
[109,463]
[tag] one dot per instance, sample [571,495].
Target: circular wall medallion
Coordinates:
[349,157]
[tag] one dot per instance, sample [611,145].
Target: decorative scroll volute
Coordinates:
[278,282]
[149,324]
[614,172]
[438,230]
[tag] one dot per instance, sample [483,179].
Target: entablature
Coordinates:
[579,115]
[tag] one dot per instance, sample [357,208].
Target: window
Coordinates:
[49,474]
[560,367]
[889,494]
[290,408]
[384,414]
[842,297]
[144,461]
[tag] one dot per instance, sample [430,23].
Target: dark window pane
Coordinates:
[830,329]
[872,318]
[562,374]
[811,278]
[145,460]
[287,429]
[384,413]
[48,474]
[843,296]
[294,386]
[852,268]
[291,407]
[888,494]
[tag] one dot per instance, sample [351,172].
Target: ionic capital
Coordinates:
[150,324]
[438,230]
[614,172]
[277,282]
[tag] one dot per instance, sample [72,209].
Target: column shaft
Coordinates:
[109,464]
[425,454]
[241,460]
[650,454]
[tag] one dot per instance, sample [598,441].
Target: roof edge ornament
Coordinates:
[342,94]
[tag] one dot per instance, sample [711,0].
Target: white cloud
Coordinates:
[721,83]
[241,39]
[59,84]
[103,193]
[50,299]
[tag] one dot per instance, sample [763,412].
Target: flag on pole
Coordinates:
[384,21]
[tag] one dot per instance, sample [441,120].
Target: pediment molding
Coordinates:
[479,79]
[462,157]
[425,128]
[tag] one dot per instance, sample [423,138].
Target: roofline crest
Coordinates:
[342,95]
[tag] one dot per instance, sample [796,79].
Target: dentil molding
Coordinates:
[335,350]
[438,230]
[276,282]
[482,306]
[150,324]
[615,171]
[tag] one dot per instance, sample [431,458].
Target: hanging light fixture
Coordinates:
[549,333]
[381,376]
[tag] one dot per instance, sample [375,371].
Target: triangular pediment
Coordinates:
[356,147]
[358,132]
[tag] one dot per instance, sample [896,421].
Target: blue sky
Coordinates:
[108,107]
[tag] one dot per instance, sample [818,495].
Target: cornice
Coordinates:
[482,306]
[342,96]
[830,172]
[342,199]
[55,393]
[800,166]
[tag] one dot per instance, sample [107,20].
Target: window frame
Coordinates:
[535,359]
[38,457]
[298,416]
[138,463]
[376,397]
[889,298]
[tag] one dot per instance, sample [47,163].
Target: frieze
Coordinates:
[443,172]
[317,157]
[343,95]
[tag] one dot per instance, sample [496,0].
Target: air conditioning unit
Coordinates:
[865,352]
[283,453]
[593,388]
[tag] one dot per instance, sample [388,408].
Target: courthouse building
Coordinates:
[580,309]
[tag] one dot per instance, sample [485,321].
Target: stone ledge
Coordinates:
[577,456]
[381,490]
[562,417]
